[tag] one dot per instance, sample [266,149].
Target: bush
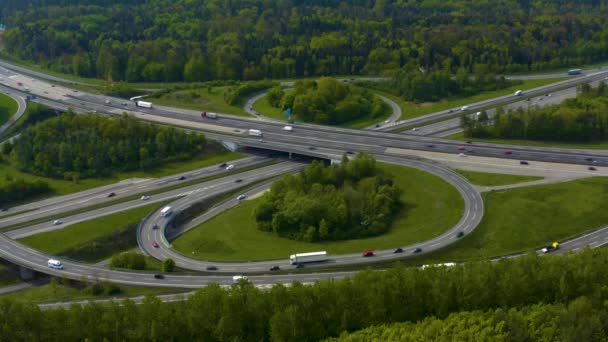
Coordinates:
[128,260]
[168,265]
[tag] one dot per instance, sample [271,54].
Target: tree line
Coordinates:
[420,85]
[74,146]
[580,119]
[183,40]
[328,308]
[17,190]
[327,101]
[345,201]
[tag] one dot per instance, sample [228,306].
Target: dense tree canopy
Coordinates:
[13,191]
[161,40]
[328,101]
[580,119]
[83,146]
[420,85]
[344,201]
[330,307]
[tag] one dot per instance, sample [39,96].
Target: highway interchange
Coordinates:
[306,139]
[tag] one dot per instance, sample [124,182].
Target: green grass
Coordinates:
[57,241]
[205,101]
[214,154]
[431,206]
[527,218]
[263,107]
[590,146]
[493,179]
[59,292]
[8,108]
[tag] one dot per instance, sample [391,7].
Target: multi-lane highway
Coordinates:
[305,139]
[473,212]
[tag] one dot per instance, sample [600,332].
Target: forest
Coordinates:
[17,190]
[186,40]
[328,101]
[570,291]
[580,119]
[74,146]
[343,201]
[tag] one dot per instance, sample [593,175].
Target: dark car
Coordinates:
[159,276]
[509,152]
[155,226]
[469,142]
[589,159]
[398,250]
[430,145]
[350,152]
[275,268]
[223,165]
[3,210]
[111,194]
[238,180]
[182,178]
[367,254]
[312,148]
[417,250]
[523,162]
[211,268]
[591,168]
[460,234]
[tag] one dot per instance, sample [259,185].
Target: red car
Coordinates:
[461,148]
[155,244]
[509,152]
[368,254]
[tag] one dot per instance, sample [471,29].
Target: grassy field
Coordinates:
[263,107]
[200,99]
[8,108]
[493,179]
[57,241]
[412,110]
[527,218]
[215,154]
[58,292]
[590,146]
[431,206]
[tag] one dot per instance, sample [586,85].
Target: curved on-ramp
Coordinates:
[472,215]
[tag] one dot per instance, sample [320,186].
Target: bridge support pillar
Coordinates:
[289,155]
[26,273]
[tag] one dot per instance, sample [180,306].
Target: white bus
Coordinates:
[166,211]
[143,104]
[56,264]
[255,132]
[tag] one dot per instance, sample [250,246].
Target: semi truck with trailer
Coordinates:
[143,104]
[300,258]
[209,115]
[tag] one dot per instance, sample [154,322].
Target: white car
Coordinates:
[57,222]
[237,278]
[462,155]
[463,108]
[240,197]
[145,198]
[415,129]
[288,128]
[230,167]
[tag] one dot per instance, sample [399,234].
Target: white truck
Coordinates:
[519,93]
[143,104]
[255,132]
[307,257]
[56,264]
[166,211]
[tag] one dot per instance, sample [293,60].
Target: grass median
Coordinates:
[8,108]
[527,218]
[138,195]
[431,206]
[494,179]
[588,146]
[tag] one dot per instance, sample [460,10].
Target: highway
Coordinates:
[21,106]
[305,139]
[473,212]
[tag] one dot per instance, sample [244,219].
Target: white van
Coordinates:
[166,211]
[237,278]
[519,93]
[288,128]
[56,264]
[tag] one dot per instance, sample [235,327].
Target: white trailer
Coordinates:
[143,104]
[212,115]
[255,132]
[166,211]
[307,257]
